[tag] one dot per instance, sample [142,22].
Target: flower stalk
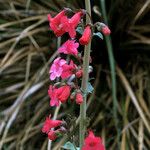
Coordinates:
[66,73]
[85,78]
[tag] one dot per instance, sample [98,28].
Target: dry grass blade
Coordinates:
[141,135]
[133,97]
[23,34]
[142,11]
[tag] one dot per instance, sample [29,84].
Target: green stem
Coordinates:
[57,108]
[85,78]
[112,68]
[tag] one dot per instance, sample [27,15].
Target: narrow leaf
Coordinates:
[79,30]
[98,34]
[70,146]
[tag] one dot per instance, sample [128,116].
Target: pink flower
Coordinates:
[93,143]
[106,30]
[86,36]
[79,98]
[57,23]
[56,68]
[68,70]
[52,92]
[52,135]
[48,124]
[69,47]
[63,93]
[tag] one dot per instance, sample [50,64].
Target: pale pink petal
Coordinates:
[62,62]
[56,60]
[53,67]
[76,45]
[62,49]
[52,76]
[59,72]
[56,68]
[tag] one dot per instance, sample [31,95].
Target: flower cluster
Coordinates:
[69,70]
[65,70]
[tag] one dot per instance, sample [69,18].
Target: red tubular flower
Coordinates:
[86,36]
[106,30]
[48,124]
[61,24]
[58,95]
[57,23]
[52,135]
[79,98]
[76,18]
[63,93]
[92,142]
[52,92]
[71,24]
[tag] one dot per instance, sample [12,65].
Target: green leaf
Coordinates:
[79,30]
[90,88]
[70,146]
[99,35]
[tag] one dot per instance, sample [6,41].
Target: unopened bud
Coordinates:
[79,98]
[52,135]
[106,30]
[79,73]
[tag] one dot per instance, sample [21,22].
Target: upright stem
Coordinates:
[85,78]
[113,73]
[58,107]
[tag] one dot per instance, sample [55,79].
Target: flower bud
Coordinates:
[79,73]
[79,98]
[106,30]
[52,135]
[86,36]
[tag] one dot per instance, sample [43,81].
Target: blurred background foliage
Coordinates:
[28,47]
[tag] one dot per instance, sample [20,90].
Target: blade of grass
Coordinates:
[133,97]
[112,68]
